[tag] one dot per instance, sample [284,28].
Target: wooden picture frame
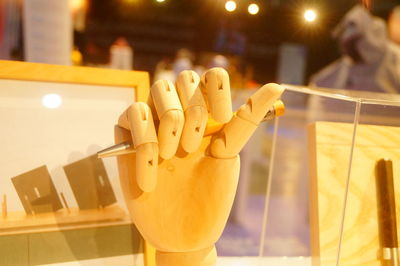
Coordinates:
[16,70]
[37,72]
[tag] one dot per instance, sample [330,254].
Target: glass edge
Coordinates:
[307,90]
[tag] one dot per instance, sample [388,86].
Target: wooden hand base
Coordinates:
[204,257]
[189,206]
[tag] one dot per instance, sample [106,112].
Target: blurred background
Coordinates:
[259,41]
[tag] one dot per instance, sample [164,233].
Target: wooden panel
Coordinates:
[330,145]
[36,191]
[19,222]
[55,247]
[14,250]
[89,182]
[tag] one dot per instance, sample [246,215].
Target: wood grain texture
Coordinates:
[330,145]
[77,75]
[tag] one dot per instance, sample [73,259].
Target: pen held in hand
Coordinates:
[212,127]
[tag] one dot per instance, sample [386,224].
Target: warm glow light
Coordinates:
[310,15]
[52,101]
[77,4]
[230,6]
[160,1]
[253,9]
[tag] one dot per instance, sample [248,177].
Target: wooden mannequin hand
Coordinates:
[179,187]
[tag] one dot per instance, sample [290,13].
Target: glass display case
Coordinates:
[307,192]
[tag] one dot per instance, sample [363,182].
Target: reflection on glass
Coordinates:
[52,101]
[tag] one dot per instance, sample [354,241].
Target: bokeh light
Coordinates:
[310,15]
[253,9]
[230,6]
[52,101]
[160,1]
[77,4]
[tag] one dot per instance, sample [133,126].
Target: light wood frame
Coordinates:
[138,80]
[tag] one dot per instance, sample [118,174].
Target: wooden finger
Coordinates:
[236,133]
[170,114]
[216,83]
[194,108]
[144,138]
[146,166]
[123,119]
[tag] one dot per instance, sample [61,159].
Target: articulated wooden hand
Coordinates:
[179,187]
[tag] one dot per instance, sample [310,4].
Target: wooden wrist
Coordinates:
[203,257]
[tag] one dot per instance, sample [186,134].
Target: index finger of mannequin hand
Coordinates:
[216,83]
[144,138]
[170,114]
[123,118]
[195,110]
[231,139]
